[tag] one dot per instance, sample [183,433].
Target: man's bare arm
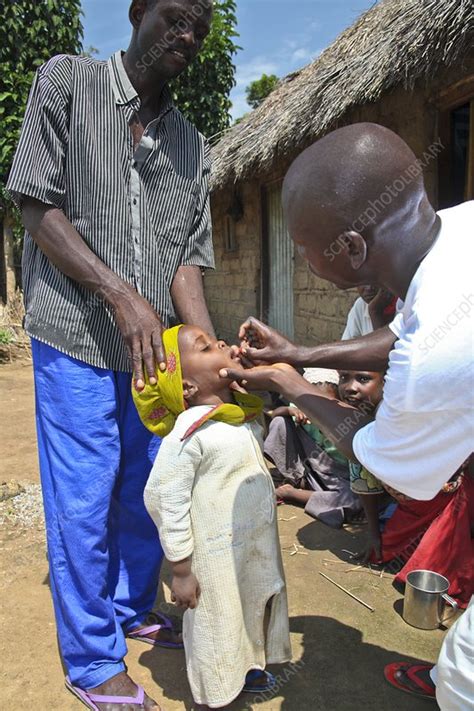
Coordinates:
[263,345]
[337,420]
[187,292]
[369,352]
[138,322]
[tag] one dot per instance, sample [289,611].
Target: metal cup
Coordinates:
[425,598]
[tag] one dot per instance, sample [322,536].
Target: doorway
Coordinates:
[277,303]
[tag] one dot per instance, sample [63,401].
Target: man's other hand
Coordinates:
[142,330]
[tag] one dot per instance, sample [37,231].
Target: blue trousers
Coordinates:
[103,549]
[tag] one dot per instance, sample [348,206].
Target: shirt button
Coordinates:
[134,201]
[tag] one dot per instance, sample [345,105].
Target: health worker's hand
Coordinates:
[261,344]
[262,377]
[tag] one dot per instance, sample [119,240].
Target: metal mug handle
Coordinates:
[447,598]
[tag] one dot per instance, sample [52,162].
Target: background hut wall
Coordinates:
[320,310]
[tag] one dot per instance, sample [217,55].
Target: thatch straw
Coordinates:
[396,42]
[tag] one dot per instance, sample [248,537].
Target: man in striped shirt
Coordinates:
[112,183]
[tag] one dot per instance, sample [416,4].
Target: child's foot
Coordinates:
[163,635]
[258,682]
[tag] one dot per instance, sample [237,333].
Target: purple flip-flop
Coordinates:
[142,634]
[90,700]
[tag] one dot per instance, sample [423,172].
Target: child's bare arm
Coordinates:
[283,411]
[371,503]
[291,411]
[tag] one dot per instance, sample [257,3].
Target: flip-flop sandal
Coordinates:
[142,634]
[258,688]
[90,700]
[411,670]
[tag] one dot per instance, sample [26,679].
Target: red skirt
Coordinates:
[436,535]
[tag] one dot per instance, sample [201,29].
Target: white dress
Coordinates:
[212,497]
[454,672]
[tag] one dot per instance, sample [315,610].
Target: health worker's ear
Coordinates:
[190,390]
[355,249]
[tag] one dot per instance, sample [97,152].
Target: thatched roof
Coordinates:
[395,42]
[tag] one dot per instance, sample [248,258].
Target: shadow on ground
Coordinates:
[327,676]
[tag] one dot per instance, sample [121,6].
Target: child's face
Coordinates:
[358,387]
[202,357]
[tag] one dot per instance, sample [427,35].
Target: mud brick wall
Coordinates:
[233,289]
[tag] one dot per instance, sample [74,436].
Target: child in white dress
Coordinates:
[213,502]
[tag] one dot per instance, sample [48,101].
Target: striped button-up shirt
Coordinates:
[143,211]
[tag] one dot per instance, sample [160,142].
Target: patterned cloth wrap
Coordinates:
[362,481]
[159,405]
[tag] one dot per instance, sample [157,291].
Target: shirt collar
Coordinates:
[123,89]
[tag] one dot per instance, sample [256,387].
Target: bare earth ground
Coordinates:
[340,648]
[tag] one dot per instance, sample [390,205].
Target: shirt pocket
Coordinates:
[173,207]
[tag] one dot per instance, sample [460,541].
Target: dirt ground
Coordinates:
[340,648]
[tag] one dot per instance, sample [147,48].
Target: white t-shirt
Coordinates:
[424,427]
[359,322]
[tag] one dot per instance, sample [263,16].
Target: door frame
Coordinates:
[264,300]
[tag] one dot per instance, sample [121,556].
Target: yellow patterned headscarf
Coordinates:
[160,405]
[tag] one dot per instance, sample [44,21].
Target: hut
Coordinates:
[405,64]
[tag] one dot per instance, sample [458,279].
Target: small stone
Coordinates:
[10,489]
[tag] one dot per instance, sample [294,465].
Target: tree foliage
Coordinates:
[259,89]
[202,91]
[31,31]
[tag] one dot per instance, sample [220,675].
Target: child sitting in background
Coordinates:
[364,390]
[420,535]
[213,502]
[315,474]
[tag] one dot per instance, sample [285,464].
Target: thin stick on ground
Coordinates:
[354,597]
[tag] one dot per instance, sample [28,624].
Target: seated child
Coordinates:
[315,474]
[420,535]
[213,502]
[364,390]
